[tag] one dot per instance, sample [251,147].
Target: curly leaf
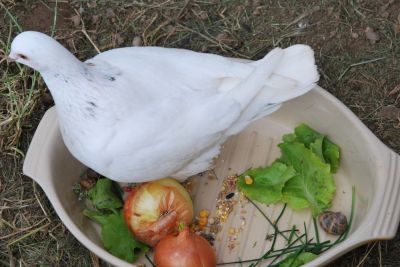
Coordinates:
[103,197]
[327,150]
[313,185]
[117,239]
[267,182]
[331,154]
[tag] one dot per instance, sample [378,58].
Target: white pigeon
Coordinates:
[137,114]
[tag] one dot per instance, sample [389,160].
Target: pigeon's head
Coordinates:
[38,51]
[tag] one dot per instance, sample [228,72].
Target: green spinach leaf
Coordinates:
[117,239]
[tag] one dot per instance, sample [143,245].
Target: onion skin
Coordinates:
[185,249]
[155,209]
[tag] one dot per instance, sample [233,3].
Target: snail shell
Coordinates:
[334,223]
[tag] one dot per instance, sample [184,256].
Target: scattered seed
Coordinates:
[209,237]
[225,206]
[203,221]
[230,195]
[232,231]
[204,213]
[248,180]
[215,229]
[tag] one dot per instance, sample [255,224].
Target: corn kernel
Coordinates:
[232,231]
[248,180]
[203,221]
[204,213]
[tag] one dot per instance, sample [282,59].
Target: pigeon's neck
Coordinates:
[65,64]
[64,80]
[73,94]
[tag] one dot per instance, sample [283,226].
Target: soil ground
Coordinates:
[356,45]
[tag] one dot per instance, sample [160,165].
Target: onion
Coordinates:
[185,249]
[154,210]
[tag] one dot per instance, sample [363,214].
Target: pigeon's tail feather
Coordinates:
[249,87]
[294,75]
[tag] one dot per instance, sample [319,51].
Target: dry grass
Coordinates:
[363,75]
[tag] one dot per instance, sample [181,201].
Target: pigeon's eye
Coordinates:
[23,56]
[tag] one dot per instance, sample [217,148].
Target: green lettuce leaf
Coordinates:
[288,138]
[331,154]
[267,182]
[316,147]
[302,177]
[327,150]
[103,196]
[313,185]
[306,135]
[117,239]
[301,259]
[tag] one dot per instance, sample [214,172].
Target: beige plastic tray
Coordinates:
[366,163]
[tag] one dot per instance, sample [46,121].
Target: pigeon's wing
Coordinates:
[173,69]
[166,136]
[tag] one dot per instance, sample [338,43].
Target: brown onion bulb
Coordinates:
[185,249]
[154,210]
